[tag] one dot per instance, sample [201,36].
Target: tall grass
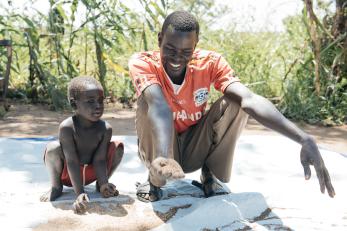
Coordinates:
[302,70]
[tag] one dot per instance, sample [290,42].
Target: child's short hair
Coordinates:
[79,84]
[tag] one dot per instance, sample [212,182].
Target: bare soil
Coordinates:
[28,120]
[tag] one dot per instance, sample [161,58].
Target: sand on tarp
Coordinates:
[268,192]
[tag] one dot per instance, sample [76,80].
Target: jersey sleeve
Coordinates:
[142,73]
[222,74]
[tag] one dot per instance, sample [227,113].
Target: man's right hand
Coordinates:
[162,169]
[81,203]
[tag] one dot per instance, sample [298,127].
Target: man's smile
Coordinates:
[175,65]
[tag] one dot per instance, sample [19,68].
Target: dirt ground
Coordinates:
[27,120]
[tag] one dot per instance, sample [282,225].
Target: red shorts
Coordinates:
[89,173]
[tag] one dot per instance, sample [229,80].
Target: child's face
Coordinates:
[90,103]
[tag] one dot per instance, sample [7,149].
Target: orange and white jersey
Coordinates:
[188,100]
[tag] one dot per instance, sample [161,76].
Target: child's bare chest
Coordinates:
[87,143]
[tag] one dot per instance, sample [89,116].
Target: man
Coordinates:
[177,135]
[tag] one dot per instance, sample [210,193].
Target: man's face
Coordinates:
[176,50]
[90,103]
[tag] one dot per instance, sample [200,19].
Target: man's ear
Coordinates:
[73,103]
[160,38]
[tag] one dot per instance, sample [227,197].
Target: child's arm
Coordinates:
[72,161]
[100,156]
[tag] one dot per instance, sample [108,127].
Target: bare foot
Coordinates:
[52,194]
[163,169]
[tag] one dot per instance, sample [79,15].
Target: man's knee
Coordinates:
[226,102]
[141,118]
[223,106]
[141,106]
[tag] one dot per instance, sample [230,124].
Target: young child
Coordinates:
[84,152]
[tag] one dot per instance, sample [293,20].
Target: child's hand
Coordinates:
[108,190]
[81,203]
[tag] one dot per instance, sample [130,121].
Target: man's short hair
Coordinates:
[181,21]
[79,84]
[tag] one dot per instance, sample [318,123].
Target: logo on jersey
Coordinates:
[200,96]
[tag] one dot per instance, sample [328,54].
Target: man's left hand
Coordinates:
[310,155]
